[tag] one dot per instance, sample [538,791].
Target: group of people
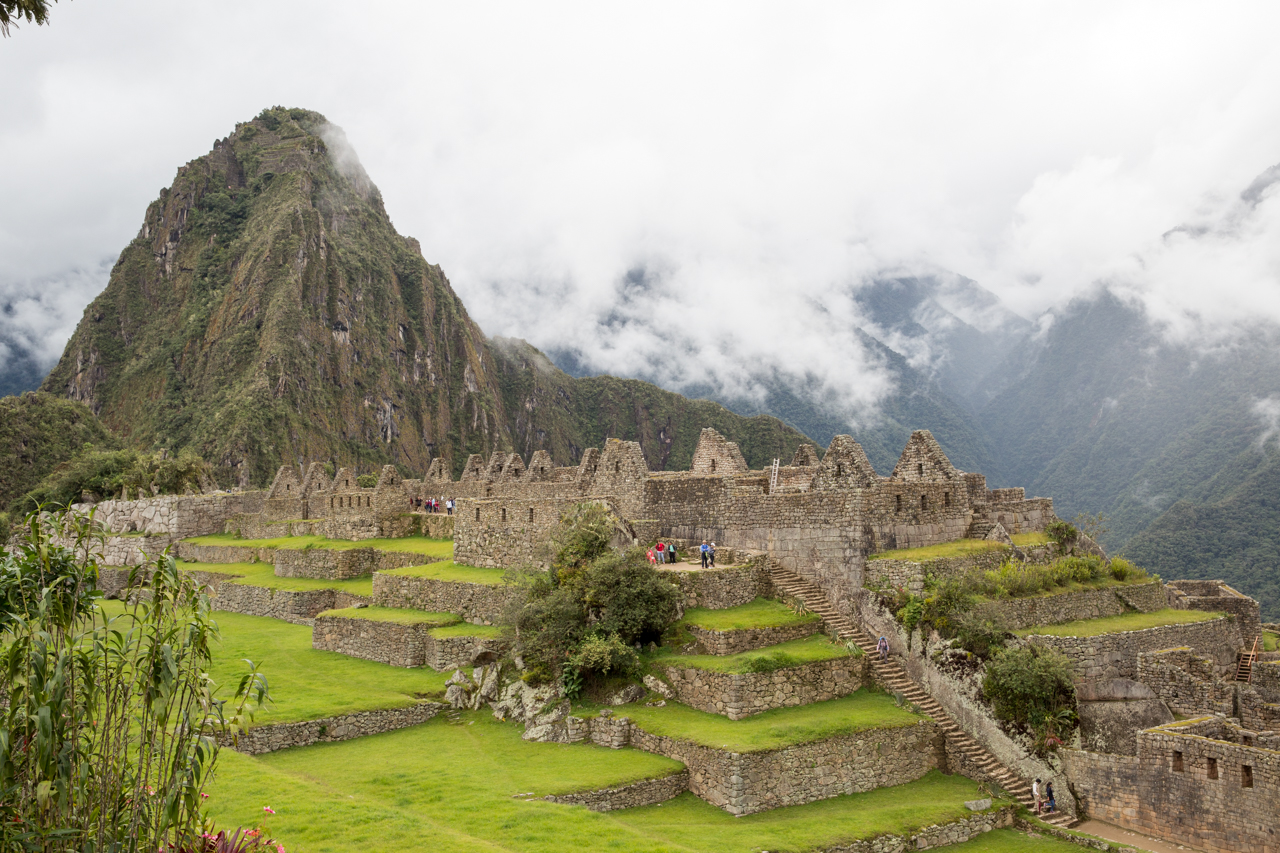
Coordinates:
[708,554]
[663,552]
[432,505]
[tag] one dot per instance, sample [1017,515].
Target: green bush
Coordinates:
[981,630]
[1029,685]
[772,661]
[367,481]
[104,474]
[605,655]
[1063,533]
[582,535]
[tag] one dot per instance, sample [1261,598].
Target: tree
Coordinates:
[111,727]
[12,11]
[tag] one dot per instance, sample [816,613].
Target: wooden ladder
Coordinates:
[890,675]
[1244,667]
[773,477]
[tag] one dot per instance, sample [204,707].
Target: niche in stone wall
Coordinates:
[946,499]
[1246,776]
[504,513]
[1212,771]
[920,468]
[713,466]
[477,513]
[530,515]
[897,503]
[1177,762]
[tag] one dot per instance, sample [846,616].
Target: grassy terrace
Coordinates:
[450,788]
[863,710]
[815,648]
[1123,622]
[308,684]
[448,570]
[761,613]
[442,548]
[397,615]
[1270,641]
[263,574]
[463,629]
[959,548]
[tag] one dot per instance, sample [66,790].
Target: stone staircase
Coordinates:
[894,678]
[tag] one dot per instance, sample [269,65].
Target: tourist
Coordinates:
[662,551]
[671,552]
[652,559]
[704,549]
[713,555]
[1048,795]
[448,506]
[1035,793]
[882,646]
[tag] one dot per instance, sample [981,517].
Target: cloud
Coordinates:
[1267,411]
[691,193]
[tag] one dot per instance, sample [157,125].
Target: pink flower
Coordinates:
[203,795]
[268,810]
[279,848]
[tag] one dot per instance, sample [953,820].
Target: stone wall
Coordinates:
[193,553]
[509,531]
[722,588]
[272,737]
[1198,782]
[297,606]
[739,695]
[1116,655]
[177,516]
[745,783]
[399,644]
[749,639]
[475,603]
[1082,604]
[937,835]
[1191,685]
[957,687]
[1216,596]
[326,564]
[646,792]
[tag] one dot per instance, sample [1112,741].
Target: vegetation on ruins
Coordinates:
[580,621]
[963,608]
[758,613]
[109,732]
[1034,687]
[1137,621]
[106,474]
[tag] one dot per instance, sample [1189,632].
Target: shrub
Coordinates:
[982,630]
[106,473]
[1063,533]
[1029,684]
[770,662]
[367,481]
[109,732]
[582,535]
[605,655]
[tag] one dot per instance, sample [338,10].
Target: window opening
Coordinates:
[1177,762]
[924,503]
[617,467]
[839,469]
[1213,768]
[946,499]
[920,468]
[713,466]
[504,513]
[477,513]
[897,503]
[530,513]
[1246,776]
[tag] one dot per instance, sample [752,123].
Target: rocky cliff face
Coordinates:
[268,312]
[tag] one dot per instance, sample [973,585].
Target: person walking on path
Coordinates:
[662,551]
[449,506]
[705,552]
[1035,792]
[882,646]
[713,555]
[1048,795]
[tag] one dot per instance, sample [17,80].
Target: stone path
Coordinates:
[893,677]
[1133,839]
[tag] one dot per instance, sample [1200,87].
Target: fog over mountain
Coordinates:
[1047,233]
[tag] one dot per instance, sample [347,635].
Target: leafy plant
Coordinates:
[1063,533]
[110,730]
[367,481]
[1028,684]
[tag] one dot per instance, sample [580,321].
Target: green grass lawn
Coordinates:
[463,629]
[442,548]
[395,614]
[815,648]
[448,570]
[761,613]
[263,574]
[307,684]
[1030,540]
[865,709]
[450,788]
[1123,622]
[1270,641]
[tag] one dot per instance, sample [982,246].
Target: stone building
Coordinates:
[817,517]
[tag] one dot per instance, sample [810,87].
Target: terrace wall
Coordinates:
[297,606]
[740,695]
[722,588]
[646,792]
[398,644]
[476,603]
[1116,655]
[1215,595]
[269,738]
[177,516]
[326,564]
[1082,604]
[749,639]
[745,783]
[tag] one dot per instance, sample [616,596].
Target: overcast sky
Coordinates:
[755,162]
